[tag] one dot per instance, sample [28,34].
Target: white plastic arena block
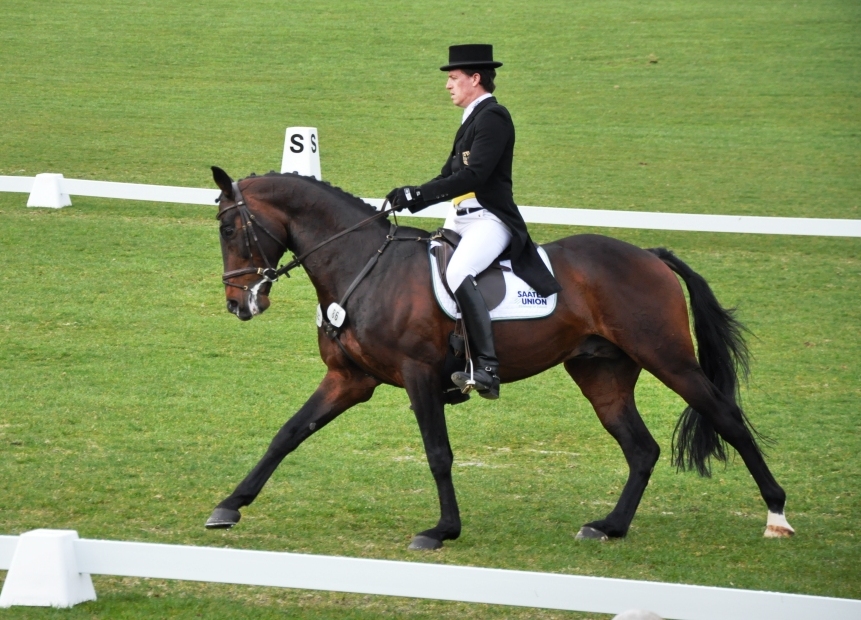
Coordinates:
[637,614]
[48,191]
[44,572]
[302,152]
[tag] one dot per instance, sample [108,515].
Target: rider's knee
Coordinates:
[455,276]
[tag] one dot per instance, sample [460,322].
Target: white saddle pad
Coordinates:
[521,301]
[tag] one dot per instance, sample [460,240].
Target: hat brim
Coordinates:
[472,64]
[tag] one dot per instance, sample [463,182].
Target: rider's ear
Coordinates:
[224,182]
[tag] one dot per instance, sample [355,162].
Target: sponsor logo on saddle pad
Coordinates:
[521,301]
[531,298]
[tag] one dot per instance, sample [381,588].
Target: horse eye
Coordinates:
[227,231]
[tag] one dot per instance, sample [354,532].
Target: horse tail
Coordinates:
[723,356]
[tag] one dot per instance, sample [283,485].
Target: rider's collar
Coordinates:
[472,105]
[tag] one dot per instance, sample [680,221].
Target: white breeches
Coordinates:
[483,238]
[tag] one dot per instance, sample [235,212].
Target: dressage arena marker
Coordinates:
[533,215]
[66,570]
[302,152]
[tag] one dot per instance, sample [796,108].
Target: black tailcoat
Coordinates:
[480,162]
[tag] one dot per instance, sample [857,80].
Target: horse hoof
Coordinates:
[777,526]
[425,543]
[223,518]
[590,533]
[777,531]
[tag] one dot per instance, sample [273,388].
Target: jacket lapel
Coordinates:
[471,118]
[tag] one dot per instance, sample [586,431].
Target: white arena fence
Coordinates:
[40,558]
[535,215]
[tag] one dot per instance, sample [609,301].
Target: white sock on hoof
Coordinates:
[777,526]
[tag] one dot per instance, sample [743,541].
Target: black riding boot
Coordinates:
[476,318]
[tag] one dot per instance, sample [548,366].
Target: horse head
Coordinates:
[253,237]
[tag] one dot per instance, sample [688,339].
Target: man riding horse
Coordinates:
[622,311]
[476,177]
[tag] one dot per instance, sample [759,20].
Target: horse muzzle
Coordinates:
[246,304]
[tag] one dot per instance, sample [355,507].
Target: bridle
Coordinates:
[330,324]
[269,273]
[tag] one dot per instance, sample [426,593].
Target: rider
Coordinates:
[477,179]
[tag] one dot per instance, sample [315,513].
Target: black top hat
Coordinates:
[474,56]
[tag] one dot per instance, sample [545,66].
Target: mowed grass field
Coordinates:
[132,402]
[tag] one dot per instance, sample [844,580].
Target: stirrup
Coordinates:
[467,383]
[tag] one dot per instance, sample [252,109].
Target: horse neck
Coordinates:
[316,215]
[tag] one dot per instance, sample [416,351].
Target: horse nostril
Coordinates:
[232,306]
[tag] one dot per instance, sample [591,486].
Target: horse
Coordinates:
[621,310]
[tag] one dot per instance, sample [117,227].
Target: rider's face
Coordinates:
[464,89]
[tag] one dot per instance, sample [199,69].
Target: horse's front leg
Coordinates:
[425,392]
[341,388]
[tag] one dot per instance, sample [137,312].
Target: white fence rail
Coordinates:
[121,191]
[430,581]
[536,215]
[7,550]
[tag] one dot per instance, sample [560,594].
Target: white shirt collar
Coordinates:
[472,105]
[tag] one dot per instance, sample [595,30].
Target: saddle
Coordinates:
[491,282]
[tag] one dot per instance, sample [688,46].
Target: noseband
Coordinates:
[269,273]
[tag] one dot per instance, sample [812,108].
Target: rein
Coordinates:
[269,273]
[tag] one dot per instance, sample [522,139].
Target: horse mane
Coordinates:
[335,191]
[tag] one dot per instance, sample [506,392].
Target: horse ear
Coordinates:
[224,182]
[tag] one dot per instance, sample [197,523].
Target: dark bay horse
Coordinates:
[621,310]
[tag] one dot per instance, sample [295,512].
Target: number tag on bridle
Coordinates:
[319,320]
[336,315]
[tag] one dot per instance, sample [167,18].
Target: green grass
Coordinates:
[132,402]
[751,107]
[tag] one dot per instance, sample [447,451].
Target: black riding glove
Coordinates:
[405,197]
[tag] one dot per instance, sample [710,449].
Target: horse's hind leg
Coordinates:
[723,414]
[609,383]
[341,388]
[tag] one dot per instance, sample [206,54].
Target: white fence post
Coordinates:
[44,572]
[302,152]
[48,191]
